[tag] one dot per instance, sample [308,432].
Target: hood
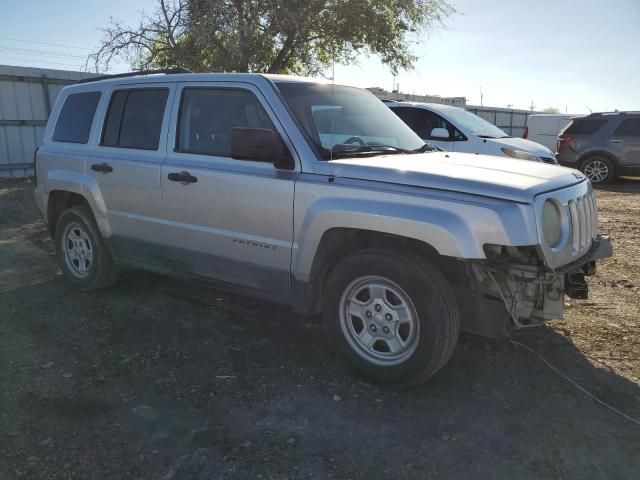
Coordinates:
[523,144]
[489,176]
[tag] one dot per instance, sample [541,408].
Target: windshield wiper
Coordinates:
[425,148]
[379,149]
[368,149]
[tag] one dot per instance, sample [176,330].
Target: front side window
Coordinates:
[629,128]
[342,121]
[208,117]
[76,117]
[474,124]
[423,121]
[134,118]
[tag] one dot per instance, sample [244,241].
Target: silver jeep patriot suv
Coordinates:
[317,196]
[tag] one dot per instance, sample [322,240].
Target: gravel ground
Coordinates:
[159,379]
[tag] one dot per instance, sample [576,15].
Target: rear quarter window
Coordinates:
[76,116]
[629,128]
[585,126]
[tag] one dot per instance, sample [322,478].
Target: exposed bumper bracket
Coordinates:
[575,286]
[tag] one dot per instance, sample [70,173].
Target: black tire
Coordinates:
[101,272]
[591,161]
[432,298]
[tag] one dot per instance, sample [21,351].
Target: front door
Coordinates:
[423,121]
[125,164]
[225,219]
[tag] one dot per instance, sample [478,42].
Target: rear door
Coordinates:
[226,219]
[626,138]
[126,165]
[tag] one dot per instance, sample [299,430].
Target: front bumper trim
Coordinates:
[601,248]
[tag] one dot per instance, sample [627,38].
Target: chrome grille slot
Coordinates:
[584,221]
[574,225]
[594,212]
[589,217]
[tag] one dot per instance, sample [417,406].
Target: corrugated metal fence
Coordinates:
[26,97]
[510,120]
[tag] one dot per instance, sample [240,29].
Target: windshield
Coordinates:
[474,124]
[344,121]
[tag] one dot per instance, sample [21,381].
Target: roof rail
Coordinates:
[597,114]
[388,100]
[167,71]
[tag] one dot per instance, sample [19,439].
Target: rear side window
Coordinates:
[76,117]
[585,126]
[629,128]
[208,116]
[134,118]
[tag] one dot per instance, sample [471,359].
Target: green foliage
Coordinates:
[275,36]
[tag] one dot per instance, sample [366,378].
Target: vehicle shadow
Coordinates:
[211,381]
[622,185]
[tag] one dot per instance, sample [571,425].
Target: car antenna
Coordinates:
[333,85]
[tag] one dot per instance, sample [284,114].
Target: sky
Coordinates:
[575,55]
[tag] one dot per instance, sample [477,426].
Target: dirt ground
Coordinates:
[159,379]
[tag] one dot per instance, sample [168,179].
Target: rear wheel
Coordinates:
[599,170]
[392,316]
[82,254]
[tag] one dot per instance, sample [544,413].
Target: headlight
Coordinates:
[519,154]
[551,223]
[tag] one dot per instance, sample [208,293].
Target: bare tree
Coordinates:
[276,36]
[157,41]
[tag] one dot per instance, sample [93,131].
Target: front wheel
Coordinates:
[392,316]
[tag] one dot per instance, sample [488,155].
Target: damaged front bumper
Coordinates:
[532,293]
[574,273]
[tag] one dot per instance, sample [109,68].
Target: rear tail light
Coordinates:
[562,140]
[526,132]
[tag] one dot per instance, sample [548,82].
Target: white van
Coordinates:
[545,128]
[457,130]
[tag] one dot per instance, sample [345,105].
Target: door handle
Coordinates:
[182,177]
[102,167]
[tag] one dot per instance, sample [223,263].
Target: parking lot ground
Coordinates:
[159,379]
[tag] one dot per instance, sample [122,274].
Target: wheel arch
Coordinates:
[66,189]
[599,153]
[340,242]
[58,201]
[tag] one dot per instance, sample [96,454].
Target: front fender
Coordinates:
[454,229]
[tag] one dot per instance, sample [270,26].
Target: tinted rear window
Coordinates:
[134,119]
[585,126]
[76,117]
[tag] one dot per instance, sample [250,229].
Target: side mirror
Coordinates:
[440,133]
[262,145]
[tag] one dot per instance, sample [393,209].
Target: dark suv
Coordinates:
[602,145]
